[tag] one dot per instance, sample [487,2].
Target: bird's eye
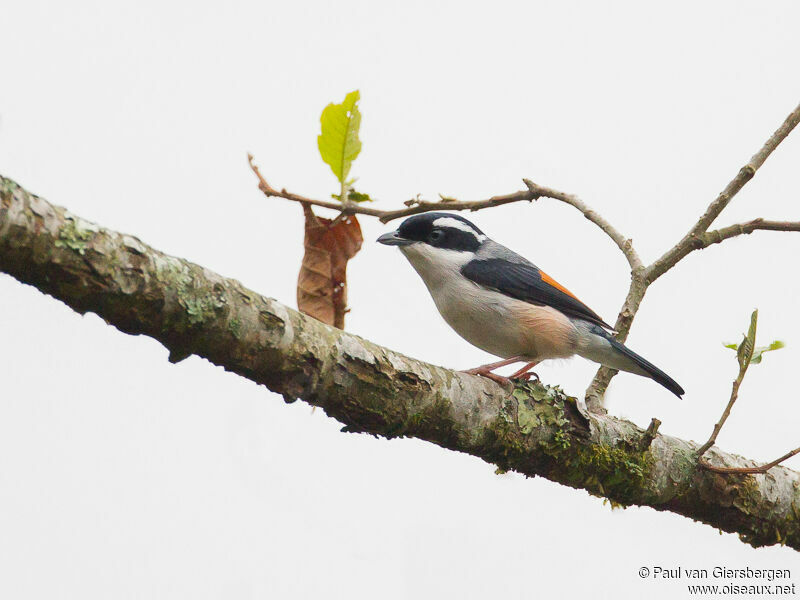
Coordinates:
[435,235]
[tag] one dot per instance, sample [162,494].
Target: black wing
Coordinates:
[526,282]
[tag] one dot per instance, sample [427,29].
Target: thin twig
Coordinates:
[715,236]
[422,206]
[595,393]
[724,233]
[623,243]
[649,435]
[417,206]
[414,206]
[745,174]
[349,208]
[698,237]
[725,414]
[744,354]
[749,470]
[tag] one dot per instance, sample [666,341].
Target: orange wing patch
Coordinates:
[549,280]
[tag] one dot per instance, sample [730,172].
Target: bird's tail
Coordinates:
[600,346]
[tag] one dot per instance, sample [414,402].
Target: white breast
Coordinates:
[493,322]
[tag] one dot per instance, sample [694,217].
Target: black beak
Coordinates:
[393,239]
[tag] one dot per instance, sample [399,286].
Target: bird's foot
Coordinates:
[484,372]
[525,373]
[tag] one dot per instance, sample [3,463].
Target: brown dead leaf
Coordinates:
[322,283]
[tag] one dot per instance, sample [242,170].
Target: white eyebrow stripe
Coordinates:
[456,224]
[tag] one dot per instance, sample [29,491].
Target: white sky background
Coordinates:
[124,476]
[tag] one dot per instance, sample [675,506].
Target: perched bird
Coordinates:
[505,305]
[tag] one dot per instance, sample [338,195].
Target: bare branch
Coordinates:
[416,206]
[744,354]
[745,174]
[623,243]
[649,434]
[715,236]
[535,431]
[347,208]
[725,414]
[749,470]
[422,206]
[725,233]
[595,393]
[698,237]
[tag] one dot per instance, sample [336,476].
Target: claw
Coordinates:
[523,373]
[528,376]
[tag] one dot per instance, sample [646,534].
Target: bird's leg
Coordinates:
[523,372]
[486,370]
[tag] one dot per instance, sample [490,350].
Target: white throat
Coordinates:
[437,266]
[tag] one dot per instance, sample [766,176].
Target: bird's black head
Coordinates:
[438,229]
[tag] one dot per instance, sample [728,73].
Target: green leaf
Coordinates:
[353,196]
[744,351]
[776,345]
[748,345]
[742,354]
[751,331]
[338,142]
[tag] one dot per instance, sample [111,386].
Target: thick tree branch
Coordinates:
[535,431]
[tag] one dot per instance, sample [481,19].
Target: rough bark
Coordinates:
[535,430]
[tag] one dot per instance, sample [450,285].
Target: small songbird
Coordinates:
[505,305]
